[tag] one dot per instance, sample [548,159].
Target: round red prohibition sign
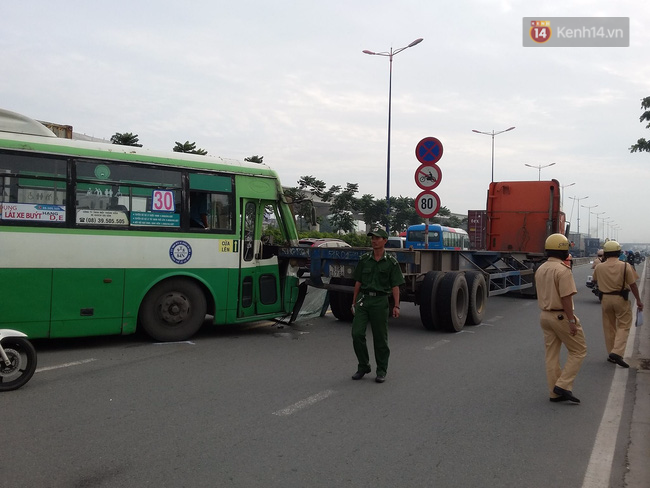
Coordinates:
[428,150]
[427,204]
[428,176]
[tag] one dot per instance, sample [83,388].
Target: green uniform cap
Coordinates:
[378,233]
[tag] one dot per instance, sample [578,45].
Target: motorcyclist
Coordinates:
[599,258]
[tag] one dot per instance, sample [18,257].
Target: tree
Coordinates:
[403,213]
[302,202]
[343,204]
[642,145]
[374,211]
[188,147]
[254,159]
[125,139]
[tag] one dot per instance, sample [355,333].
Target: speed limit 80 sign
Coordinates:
[427,204]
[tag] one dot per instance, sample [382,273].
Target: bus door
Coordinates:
[259,275]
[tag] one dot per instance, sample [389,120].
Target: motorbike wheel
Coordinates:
[22,357]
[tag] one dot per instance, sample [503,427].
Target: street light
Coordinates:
[562,196]
[539,168]
[390,55]
[605,232]
[589,218]
[574,201]
[598,214]
[492,134]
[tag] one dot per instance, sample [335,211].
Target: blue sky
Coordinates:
[287,80]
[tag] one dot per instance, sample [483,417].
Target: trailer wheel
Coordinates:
[477,297]
[452,301]
[341,302]
[428,291]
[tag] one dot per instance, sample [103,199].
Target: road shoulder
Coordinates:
[638,475]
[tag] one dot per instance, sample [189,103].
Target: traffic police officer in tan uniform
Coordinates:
[555,289]
[615,280]
[377,276]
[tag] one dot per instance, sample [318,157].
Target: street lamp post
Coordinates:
[574,201]
[493,134]
[598,214]
[539,168]
[605,223]
[562,196]
[390,55]
[589,218]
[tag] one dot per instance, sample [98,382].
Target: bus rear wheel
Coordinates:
[173,310]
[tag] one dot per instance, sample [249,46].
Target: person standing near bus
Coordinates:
[377,276]
[615,281]
[555,289]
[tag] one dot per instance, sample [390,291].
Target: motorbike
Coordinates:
[17,359]
[594,287]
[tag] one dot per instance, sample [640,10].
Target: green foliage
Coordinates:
[125,139]
[276,236]
[303,203]
[374,211]
[343,203]
[402,214]
[642,145]
[188,147]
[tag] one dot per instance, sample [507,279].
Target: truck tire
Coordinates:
[341,302]
[452,301]
[428,308]
[478,294]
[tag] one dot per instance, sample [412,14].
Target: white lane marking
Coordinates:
[291,409]
[65,365]
[436,344]
[602,455]
[493,319]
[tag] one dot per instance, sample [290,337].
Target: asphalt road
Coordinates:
[274,406]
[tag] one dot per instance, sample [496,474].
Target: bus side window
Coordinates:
[210,211]
[199,210]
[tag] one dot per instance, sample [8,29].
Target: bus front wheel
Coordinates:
[173,310]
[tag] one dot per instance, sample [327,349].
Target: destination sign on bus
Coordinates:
[33,212]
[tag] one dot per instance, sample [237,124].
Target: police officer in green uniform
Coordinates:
[377,276]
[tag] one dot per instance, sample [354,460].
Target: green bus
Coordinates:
[100,239]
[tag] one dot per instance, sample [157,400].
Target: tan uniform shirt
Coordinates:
[554,280]
[609,275]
